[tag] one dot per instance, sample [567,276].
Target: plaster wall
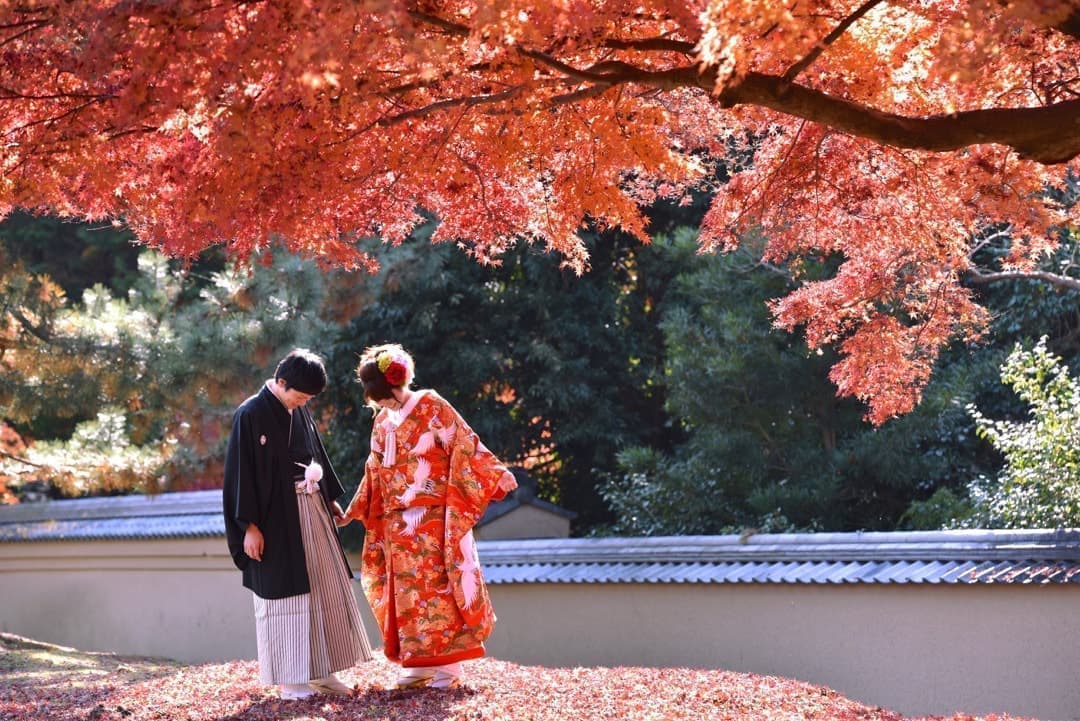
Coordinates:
[914,648]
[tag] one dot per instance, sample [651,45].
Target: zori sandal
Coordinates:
[445,680]
[415,678]
[294,692]
[332,685]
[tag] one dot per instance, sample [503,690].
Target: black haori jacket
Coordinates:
[259,488]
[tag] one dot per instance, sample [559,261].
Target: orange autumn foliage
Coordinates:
[11,446]
[883,133]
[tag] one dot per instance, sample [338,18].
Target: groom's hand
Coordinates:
[253,542]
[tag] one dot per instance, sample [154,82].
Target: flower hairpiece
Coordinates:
[393,367]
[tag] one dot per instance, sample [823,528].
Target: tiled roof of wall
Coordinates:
[168,515]
[933,557]
[930,557]
[513,501]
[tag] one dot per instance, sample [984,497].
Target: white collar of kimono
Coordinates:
[391,423]
[270,387]
[397,417]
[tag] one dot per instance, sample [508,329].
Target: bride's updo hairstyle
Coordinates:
[383,368]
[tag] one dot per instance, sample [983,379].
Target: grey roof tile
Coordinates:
[839,572]
[805,572]
[953,572]
[183,526]
[869,571]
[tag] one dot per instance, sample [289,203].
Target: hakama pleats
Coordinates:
[312,635]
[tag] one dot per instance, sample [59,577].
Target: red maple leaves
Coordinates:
[882,134]
[493,690]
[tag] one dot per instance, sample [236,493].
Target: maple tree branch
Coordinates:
[986,240]
[657,43]
[57,118]
[449,134]
[148,129]
[32,329]
[418,84]
[1063,282]
[19,34]
[20,459]
[588,75]
[445,25]
[28,26]
[615,72]
[10,94]
[928,316]
[21,24]
[1048,134]
[768,180]
[468,101]
[676,46]
[479,181]
[569,98]
[829,39]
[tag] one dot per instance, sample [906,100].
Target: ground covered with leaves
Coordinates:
[43,682]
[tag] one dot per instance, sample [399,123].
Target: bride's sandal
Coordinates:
[445,680]
[413,680]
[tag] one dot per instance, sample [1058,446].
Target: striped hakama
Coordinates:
[310,636]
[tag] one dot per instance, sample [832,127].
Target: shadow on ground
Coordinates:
[24,661]
[53,682]
[372,703]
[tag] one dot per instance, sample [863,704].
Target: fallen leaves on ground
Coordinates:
[43,682]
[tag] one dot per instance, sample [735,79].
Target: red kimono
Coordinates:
[426,483]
